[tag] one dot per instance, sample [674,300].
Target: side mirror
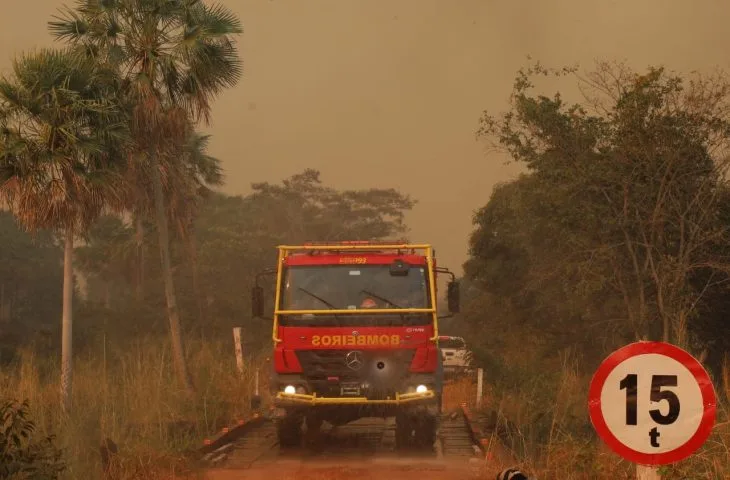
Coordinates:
[257,301]
[452,296]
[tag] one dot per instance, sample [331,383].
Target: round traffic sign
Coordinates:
[652,403]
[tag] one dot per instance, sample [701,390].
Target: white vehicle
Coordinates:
[456,357]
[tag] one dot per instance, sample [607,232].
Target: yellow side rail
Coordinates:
[284,252]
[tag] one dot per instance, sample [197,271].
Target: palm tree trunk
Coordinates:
[107,295]
[2,303]
[193,249]
[139,234]
[66,324]
[173,313]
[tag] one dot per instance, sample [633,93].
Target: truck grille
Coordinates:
[382,371]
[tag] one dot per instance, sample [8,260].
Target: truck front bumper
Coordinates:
[301,399]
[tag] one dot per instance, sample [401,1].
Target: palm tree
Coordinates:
[193,173]
[60,134]
[175,57]
[190,173]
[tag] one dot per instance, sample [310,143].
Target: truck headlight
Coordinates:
[290,390]
[421,389]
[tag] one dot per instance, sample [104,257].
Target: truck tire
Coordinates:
[440,378]
[403,431]
[426,428]
[312,437]
[289,431]
[415,432]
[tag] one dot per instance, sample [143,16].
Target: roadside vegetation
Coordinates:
[617,232]
[112,224]
[123,269]
[125,388]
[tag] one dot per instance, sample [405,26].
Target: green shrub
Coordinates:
[21,457]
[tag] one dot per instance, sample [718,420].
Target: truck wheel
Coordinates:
[426,431]
[289,431]
[312,438]
[403,431]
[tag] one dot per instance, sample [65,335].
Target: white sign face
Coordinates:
[652,403]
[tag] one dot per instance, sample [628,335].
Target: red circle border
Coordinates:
[698,372]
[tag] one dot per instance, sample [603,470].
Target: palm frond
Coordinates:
[69,25]
[62,132]
[202,165]
[173,58]
[216,20]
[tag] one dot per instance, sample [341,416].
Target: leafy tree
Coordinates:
[311,211]
[107,257]
[176,56]
[30,272]
[21,457]
[238,234]
[622,200]
[235,238]
[61,131]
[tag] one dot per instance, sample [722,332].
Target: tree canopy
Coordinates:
[235,238]
[619,229]
[30,275]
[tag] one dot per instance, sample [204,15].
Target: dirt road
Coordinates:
[365,450]
[354,469]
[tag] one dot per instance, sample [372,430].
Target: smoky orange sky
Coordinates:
[377,93]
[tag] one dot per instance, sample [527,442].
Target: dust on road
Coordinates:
[363,470]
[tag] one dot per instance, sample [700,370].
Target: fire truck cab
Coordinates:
[355,334]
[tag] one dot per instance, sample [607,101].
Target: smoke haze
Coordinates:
[388,93]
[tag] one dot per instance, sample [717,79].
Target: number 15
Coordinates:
[630,384]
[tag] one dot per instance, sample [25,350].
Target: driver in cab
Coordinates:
[409,299]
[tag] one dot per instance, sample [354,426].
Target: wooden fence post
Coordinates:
[480,386]
[239,348]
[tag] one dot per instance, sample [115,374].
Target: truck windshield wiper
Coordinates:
[332,307]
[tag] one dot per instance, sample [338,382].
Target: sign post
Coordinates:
[653,404]
[644,472]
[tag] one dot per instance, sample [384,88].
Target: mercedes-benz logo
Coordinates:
[354,360]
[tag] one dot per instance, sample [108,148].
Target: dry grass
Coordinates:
[557,440]
[129,395]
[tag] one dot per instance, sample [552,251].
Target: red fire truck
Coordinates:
[355,333]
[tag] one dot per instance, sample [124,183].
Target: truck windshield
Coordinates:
[349,287]
[346,287]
